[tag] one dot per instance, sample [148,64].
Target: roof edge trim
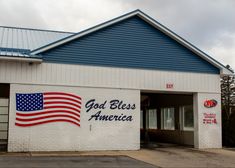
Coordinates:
[22,59]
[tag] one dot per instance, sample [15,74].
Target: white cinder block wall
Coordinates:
[93,82]
[91,135]
[207,135]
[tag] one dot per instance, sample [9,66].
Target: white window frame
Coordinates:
[182,121]
[155,110]
[162,118]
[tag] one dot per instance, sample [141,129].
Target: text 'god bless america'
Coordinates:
[114,105]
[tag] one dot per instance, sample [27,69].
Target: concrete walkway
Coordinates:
[162,157]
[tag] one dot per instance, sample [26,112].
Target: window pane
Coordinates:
[141,118]
[152,118]
[188,116]
[168,118]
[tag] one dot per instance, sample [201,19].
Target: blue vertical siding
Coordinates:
[131,43]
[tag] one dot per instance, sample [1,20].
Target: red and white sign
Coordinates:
[210,103]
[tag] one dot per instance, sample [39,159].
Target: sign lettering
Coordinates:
[169,85]
[209,118]
[115,104]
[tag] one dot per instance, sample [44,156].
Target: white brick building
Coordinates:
[107,88]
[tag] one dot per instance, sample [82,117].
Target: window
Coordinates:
[168,118]
[141,119]
[152,116]
[151,120]
[186,115]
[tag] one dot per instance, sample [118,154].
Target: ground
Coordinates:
[72,161]
[174,156]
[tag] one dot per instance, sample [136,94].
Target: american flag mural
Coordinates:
[41,108]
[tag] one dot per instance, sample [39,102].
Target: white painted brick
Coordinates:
[109,135]
[207,135]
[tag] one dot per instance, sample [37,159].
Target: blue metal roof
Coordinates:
[18,42]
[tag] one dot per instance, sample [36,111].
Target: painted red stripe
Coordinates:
[46,112]
[62,102]
[61,98]
[44,122]
[65,107]
[45,117]
[62,93]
